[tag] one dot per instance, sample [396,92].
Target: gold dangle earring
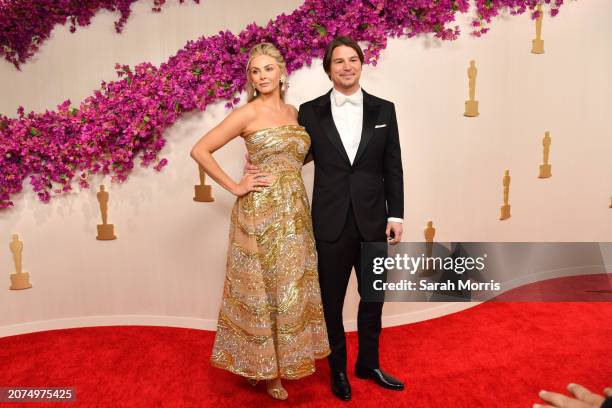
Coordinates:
[283,81]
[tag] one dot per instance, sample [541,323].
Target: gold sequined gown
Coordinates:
[271,319]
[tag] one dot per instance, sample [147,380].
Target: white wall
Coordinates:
[167,267]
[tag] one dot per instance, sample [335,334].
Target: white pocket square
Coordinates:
[380,126]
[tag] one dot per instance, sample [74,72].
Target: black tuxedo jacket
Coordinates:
[373,185]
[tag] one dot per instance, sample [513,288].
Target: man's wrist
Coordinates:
[394,219]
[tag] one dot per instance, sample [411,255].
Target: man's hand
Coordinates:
[584,398]
[397,229]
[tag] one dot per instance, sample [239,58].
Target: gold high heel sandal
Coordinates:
[278,393]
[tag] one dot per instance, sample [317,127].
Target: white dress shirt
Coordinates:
[347,111]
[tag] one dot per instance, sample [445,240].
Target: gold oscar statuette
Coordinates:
[545,169]
[471,105]
[537,45]
[203,192]
[19,279]
[430,233]
[505,209]
[106,232]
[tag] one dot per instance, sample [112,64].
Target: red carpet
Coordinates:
[493,355]
[579,288]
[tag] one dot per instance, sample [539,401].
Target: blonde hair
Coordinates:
[271,51]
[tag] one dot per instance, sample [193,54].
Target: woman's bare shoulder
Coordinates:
[238,119]
[293,110]
[248,110]
[244,114]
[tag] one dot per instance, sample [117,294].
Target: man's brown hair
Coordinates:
[336,42]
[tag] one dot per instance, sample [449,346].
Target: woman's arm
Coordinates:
[229,128]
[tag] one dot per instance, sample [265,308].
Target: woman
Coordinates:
[271,323]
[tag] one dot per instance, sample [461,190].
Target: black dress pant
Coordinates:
[336,260]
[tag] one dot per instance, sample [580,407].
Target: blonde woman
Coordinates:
[271,324]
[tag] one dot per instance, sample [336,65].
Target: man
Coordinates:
[357,197]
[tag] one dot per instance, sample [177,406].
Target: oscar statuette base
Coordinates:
[471,109]
[203,194]
[537,46]
[427,271]
[106,232]
[545,171]
[20,281]
[505,212]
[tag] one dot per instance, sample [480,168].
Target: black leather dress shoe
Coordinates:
[340,385]
[383,379]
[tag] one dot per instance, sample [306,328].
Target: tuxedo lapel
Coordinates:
[370,114]
[329,127]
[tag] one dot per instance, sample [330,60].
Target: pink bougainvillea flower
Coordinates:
[125,119]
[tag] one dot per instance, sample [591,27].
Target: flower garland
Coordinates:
[126,118]
[487,10]
[26,24]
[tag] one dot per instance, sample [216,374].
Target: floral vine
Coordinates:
[487,10]
[26,24]
[125,119]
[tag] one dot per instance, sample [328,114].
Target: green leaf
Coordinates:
[322,31]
